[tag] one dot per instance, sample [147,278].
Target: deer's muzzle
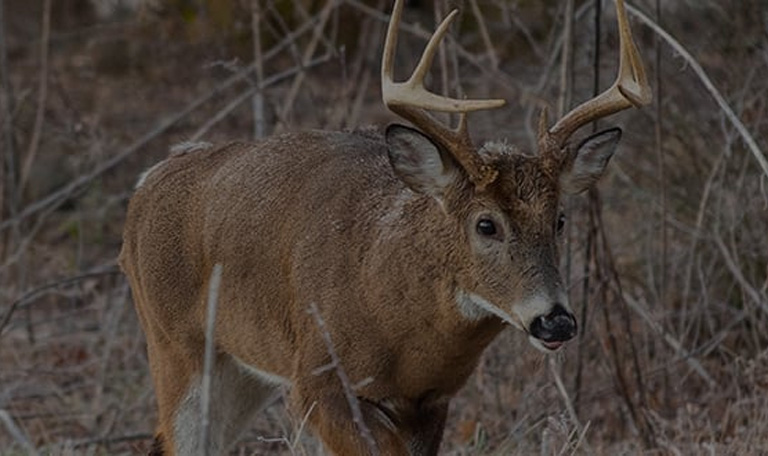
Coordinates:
[554,328]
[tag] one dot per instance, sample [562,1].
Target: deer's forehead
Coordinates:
[526,184]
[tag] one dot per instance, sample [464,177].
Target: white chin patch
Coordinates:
[546,347]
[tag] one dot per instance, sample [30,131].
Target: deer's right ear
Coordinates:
[418,162]
[589,160]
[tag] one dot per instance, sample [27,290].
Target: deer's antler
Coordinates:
[411,100]
[630,89]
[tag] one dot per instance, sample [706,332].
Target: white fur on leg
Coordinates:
[237,393]
[186,424]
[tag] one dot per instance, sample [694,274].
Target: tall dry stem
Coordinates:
[42,98]
[259,121]
[209,357]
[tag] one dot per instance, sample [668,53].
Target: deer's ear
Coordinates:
[418,162]
[588,161]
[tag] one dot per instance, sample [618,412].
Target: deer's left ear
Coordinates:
[419,163]
[588,161]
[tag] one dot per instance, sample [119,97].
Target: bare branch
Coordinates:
[354,403]
[553,368]
[733,266]
[629,89]
[8,159]
[42,97]
[24,299]
[208,357]
[317,35]
[259,123]
[702,75]
[669,339]
[484,34]
[73,187]
[253,91]
[17,433]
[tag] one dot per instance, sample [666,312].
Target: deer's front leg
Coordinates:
[331,419]
[425,428]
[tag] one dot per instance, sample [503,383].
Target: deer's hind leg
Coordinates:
[235,396]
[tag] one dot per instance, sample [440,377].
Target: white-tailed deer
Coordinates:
[416,247]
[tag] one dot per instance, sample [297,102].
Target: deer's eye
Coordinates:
[486,227]
[560,223]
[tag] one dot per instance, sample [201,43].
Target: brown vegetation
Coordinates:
[668,263]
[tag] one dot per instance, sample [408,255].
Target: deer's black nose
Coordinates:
[557,326]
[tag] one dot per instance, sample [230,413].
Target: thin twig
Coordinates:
[662,181]
[243,97]
[531,97]
[564,103]
[513,18]
[611,275]
[59,196]
[658,142]
[208,358]
[442,58]
[304,14]
[112,439]
[42,97]
[21,244]
[496,76]
[567,400]
[302,426]
[108,329]
[495,310]
[733,267]
[671,341]
[17,433]
[28,161]
[24,299]
[361,76]
[566,62]
[593,203]
[699,71]
[484,34]
[8,159]
[259,122]
[354,403]
[582,436]
[709,190]
[293,92]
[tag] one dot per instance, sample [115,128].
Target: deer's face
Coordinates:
[512,233]
[505,247]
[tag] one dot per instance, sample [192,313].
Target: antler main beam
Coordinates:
[411,100]
[630,89]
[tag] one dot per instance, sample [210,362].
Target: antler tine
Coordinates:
[410,99]
[390,45]
[630,89]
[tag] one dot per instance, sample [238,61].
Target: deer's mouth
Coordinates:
[552,345]
[546,347]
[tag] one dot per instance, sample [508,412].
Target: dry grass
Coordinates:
[670,259]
